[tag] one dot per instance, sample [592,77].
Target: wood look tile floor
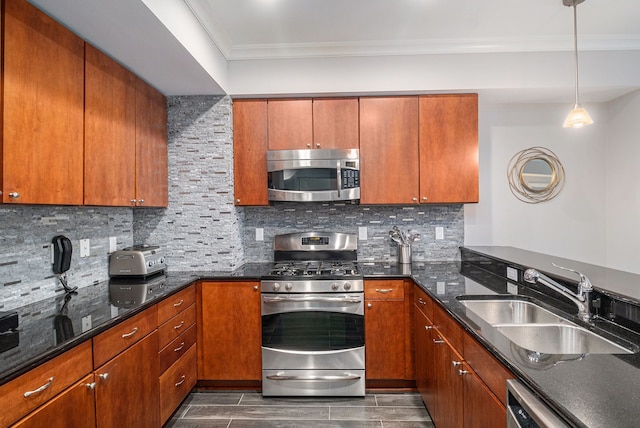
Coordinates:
[251,410]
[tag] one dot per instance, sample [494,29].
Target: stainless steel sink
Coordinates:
[560,339]
[535,328]
[510,312]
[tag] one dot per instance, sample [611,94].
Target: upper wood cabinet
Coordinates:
[43,109]
[110,131]
[335,123]
[449,148]
[250,152]
[389,159]
[290,124]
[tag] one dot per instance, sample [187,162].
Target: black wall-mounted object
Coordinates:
[62,250]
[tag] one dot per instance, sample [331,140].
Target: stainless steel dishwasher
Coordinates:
[525,410]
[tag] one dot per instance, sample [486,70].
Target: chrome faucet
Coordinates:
[582,299]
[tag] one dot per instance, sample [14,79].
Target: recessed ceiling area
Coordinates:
[515,51]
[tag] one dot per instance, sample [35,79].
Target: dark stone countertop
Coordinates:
[589,390]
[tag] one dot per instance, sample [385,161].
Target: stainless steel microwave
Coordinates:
[313,175]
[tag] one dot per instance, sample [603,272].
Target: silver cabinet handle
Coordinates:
[104,376]
[282,376]
[462,372]
[175,305]
[415,199]
[384,290]
[369,305]
[133,201]
[318,145]
[141,201]
[428,327]
[308,145]
[181,381]
[424,198]
[14,195]
[456,363]
[131,333]
[255,288]
[438,341]
[179,326]
[42,388]
[90,386]
[179,348]
[421,301]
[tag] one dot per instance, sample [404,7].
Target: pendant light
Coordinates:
[578,117]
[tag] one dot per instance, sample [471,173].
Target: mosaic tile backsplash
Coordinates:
[201,229]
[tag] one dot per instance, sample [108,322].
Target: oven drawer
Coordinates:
[280,359]
[313,383]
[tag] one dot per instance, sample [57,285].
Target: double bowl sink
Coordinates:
[537,329]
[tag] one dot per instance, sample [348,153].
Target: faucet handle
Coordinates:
[584,284]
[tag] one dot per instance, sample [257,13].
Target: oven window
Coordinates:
[312,331]
[312,179]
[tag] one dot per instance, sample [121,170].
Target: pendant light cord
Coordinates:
[575,48]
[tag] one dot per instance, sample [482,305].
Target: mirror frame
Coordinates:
[520,188]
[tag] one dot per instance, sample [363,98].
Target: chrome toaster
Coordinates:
[137,261]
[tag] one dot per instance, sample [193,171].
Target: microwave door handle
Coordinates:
[339,178]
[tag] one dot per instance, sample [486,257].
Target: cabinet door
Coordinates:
[110,121]
[290,124]
[229,331]
[424,352]
[385,339]
[127,390]
[448,412]
[449,148]
[481,408]
[43,108]
[73,408]
[152,182]
[250,152]
[389,150]
[335,123]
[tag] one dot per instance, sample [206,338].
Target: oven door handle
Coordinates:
[314,378]
[314,299]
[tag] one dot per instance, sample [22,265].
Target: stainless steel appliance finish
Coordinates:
[313,318]
[137,261]
[313,175]
[132,292]
[524,409]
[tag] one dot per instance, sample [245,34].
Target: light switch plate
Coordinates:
[86,323]
[259,234]
[84,248]
[362,233]
[512,273]
[439,232]
[440,289]
[512,288]
[113,244]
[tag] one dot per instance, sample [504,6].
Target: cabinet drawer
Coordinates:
[176,325]
[43,383]
[173,305]
[177,348]
[115,340]
[423,302]
[448,327]
[490,370]
[176,383]
[384,290]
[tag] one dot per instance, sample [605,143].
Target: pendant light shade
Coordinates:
[578,117]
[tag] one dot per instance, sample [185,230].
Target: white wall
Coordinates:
[573,225]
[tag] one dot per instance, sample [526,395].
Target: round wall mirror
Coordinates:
[535,175]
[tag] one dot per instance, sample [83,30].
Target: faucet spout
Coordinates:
[582,299]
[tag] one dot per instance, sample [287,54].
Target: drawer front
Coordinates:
[423,302]
[176,383]
[490,370]
[173,305]
[384,290]
[43,383]
[118,338]
[448,327]
[176,325]
[177,348]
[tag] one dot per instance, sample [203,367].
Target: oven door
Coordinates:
[313,175]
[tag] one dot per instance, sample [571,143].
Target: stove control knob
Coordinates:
[288,286]
[347,286]
[276,286]
[335,286]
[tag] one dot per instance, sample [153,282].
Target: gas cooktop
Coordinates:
[325,268]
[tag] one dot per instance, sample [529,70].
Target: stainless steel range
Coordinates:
[313,317]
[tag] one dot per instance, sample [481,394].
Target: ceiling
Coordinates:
[186,47]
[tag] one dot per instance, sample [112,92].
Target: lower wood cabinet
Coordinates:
[387,328]
[229,331]
[176,383]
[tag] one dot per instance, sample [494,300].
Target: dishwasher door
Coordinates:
[525,410]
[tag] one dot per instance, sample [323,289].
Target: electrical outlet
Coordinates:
[362,233]
[113,244]
[86,323]
[440,288]
[84,248]
[512,273]
[439,232]
[512,288]
[259,234]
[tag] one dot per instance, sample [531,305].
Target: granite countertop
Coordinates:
[589,390]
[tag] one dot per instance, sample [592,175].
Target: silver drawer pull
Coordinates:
[42,388]
[91,385]
[428,327]
[131,333]
[181,381]
[179,326]
[179,348]
[175,305]
[421,301]
[456,363]
[384,290]
[463,372]
[438,341]
[104,376]
[314,378]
